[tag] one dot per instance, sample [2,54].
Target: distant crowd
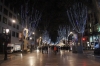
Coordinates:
[44,49]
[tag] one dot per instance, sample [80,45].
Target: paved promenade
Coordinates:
[64,58]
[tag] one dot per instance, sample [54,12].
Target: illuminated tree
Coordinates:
[78,16]
[29,18]
[29,21]
[45,37]
[63,33]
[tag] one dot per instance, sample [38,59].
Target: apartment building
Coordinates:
[7,14]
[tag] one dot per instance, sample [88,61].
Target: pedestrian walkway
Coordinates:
[90,55]
[64,58]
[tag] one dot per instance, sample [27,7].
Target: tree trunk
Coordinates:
[80,44]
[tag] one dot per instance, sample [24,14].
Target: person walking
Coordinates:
[55,50]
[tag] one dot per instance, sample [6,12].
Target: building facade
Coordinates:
[7,14]
[92,29]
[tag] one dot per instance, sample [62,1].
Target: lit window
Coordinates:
[90,30]
[90,24]
[4,30]
[99,29]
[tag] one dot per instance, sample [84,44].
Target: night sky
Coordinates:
[53,13]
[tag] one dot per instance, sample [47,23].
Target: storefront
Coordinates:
[94,41]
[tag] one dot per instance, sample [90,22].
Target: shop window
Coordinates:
[4,20]
[5,11]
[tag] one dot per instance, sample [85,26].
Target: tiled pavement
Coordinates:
[91,55]
[63,58]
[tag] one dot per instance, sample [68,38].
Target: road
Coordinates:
[64,58]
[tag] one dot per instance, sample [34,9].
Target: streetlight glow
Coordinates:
[33,33]
[30,38]
[13,21]
[5,45]
[71,32]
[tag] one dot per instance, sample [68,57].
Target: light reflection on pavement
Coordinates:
[64,58]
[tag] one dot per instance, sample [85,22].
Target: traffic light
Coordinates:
[83,39]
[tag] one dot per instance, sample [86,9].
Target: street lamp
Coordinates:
[6,43]
[31,41]
[40,42]
[31,44]
[33,33]
[71,32]
[30,38]
[34,38]
[13,21]
[7,37]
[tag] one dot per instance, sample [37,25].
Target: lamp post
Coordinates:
[34,39]
[31,44]
[6,43]
[40,42]
[7,37]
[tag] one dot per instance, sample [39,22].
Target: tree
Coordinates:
[78,15]
[45,37]
[63,33]
[29,18]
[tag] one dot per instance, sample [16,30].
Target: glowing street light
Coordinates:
[13,21]
[40,42]
[6,43]
[30,38]
[33,33]
[71,32]
[40,37]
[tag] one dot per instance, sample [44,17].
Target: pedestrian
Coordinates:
[55,50]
